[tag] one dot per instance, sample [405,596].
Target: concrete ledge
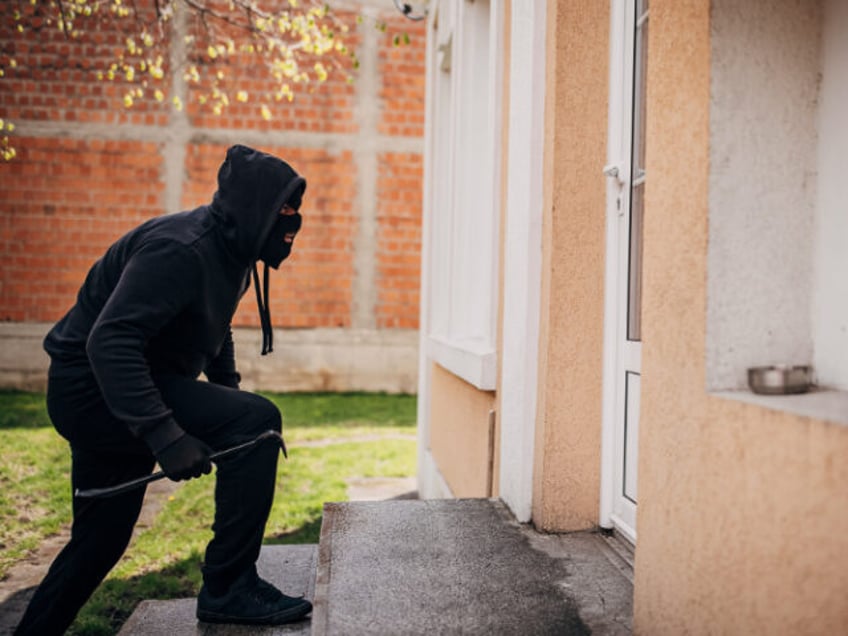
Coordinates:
[290,567]
[330,360]
[303,359]
[461,567]
[23,361]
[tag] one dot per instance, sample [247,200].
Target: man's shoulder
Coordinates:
[181,228]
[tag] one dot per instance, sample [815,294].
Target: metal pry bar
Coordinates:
[111,491]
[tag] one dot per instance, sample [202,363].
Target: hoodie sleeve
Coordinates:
[156,284]
[222,370]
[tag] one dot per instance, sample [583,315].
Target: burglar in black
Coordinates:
[123,388]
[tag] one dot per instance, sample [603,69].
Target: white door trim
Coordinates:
[522,256]
[426,464]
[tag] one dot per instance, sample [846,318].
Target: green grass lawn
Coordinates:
[163,562]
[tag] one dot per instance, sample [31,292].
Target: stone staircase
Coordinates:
[409,567]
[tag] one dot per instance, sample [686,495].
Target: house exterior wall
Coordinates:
[461,433]
[460,308]
[743,511]
[88,170]
[566,486]
[764,81]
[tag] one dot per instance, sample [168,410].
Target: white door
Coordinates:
[623,329]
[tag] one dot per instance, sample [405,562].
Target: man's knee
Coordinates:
[265,414]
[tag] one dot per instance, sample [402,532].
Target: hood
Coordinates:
[252,187]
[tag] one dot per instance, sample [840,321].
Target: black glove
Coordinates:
[185,458]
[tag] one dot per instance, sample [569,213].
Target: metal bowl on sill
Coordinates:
[780,379]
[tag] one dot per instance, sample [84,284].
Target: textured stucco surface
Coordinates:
[568,437]
[459,433]
[830,299]
[743,512]
[762,186]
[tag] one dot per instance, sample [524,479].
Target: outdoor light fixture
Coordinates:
[406,9]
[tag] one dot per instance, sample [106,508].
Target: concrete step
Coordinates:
[290,567]
[461,567]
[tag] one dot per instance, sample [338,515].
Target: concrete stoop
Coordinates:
[290,567]
[410,567]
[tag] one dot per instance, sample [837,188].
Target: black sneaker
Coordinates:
[251,601]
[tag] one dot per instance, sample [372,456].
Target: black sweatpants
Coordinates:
[105,453]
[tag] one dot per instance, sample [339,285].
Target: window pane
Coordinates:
[637,176]
[634,308]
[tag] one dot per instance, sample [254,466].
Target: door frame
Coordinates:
[617,170]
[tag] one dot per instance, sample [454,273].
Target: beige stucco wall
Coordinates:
[743,511]
[568,433]
[460,433]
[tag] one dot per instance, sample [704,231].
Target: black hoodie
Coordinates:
[162,297]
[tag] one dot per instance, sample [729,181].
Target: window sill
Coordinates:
[472,360]
[821,404]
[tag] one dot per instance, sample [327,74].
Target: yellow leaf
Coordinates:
[212,52]
[128,100]
[241,96]
[266,114]
[159,95]
[178,103]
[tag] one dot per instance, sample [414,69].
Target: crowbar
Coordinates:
[111,491]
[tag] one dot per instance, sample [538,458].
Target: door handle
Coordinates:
[614,171]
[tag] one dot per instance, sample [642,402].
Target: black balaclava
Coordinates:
[276,249]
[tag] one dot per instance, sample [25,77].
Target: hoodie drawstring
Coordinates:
[264,309]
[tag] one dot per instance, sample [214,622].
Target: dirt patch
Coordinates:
[19,585]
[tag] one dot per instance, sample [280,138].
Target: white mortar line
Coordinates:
[179,127]
[331,142]
[364,300]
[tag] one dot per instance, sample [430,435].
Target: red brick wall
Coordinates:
[402,80]
[399,240]
[76,187]
[63,202]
